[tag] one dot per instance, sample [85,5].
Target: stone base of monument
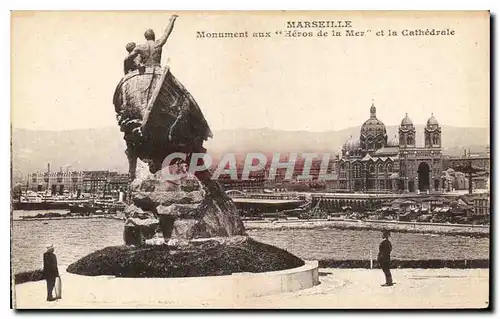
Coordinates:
[160,206]
[195,291]
[170,233]
[201,270]
[195,258]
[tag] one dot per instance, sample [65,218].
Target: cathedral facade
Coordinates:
[372,163]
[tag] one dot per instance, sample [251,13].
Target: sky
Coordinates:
[65,67]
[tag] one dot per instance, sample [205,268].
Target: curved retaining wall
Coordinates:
[239,285]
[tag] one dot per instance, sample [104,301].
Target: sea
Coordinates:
[75,238]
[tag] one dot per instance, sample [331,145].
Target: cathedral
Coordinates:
[372,163]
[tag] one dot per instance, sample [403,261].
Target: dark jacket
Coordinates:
[384,251]
[50,265]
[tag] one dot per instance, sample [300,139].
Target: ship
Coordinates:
[34,201]
[153,102]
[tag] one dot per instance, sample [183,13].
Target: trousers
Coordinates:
[51,282]
[385,265]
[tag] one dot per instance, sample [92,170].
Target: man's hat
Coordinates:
[386,233]
[51,246]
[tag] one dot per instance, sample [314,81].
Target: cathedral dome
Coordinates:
[432,122]
[406,121]
[373,131]
[406,124]
[373,127]
[351,144]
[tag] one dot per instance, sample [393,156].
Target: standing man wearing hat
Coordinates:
[384,257]
[50,270]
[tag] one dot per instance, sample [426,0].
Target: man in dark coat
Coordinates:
[50,270]
[384,258]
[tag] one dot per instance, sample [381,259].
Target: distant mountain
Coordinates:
[103,148]
[454,139]
[89,149]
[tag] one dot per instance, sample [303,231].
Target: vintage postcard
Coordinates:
[274,159]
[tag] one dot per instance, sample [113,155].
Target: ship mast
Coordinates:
[48,180]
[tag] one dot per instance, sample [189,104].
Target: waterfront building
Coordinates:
[373,163]
[117,182]
[55,182]
[259,180]
[66,181]
[475,165]
[481,204]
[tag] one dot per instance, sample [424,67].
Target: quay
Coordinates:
[478,201]
[71,217]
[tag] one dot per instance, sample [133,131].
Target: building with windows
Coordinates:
[66,181]
[259,180]
[482,204]
[373,163]
[55,182]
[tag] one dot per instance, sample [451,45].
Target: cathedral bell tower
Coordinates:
[432,133]
[406,133]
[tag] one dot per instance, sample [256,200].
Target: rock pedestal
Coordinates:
[139,226]
[164,206]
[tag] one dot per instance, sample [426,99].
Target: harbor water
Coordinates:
[75,238]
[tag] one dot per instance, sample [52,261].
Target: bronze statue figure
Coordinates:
[150,52]
[131,64]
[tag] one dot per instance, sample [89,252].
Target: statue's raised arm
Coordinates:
[168,31]
[150,52]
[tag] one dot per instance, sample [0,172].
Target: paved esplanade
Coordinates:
[339,288]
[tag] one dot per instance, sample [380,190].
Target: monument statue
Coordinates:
[172,230]
[158,117]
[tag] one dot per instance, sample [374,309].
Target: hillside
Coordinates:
[103,148]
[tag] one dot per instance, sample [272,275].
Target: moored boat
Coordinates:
[82,208]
